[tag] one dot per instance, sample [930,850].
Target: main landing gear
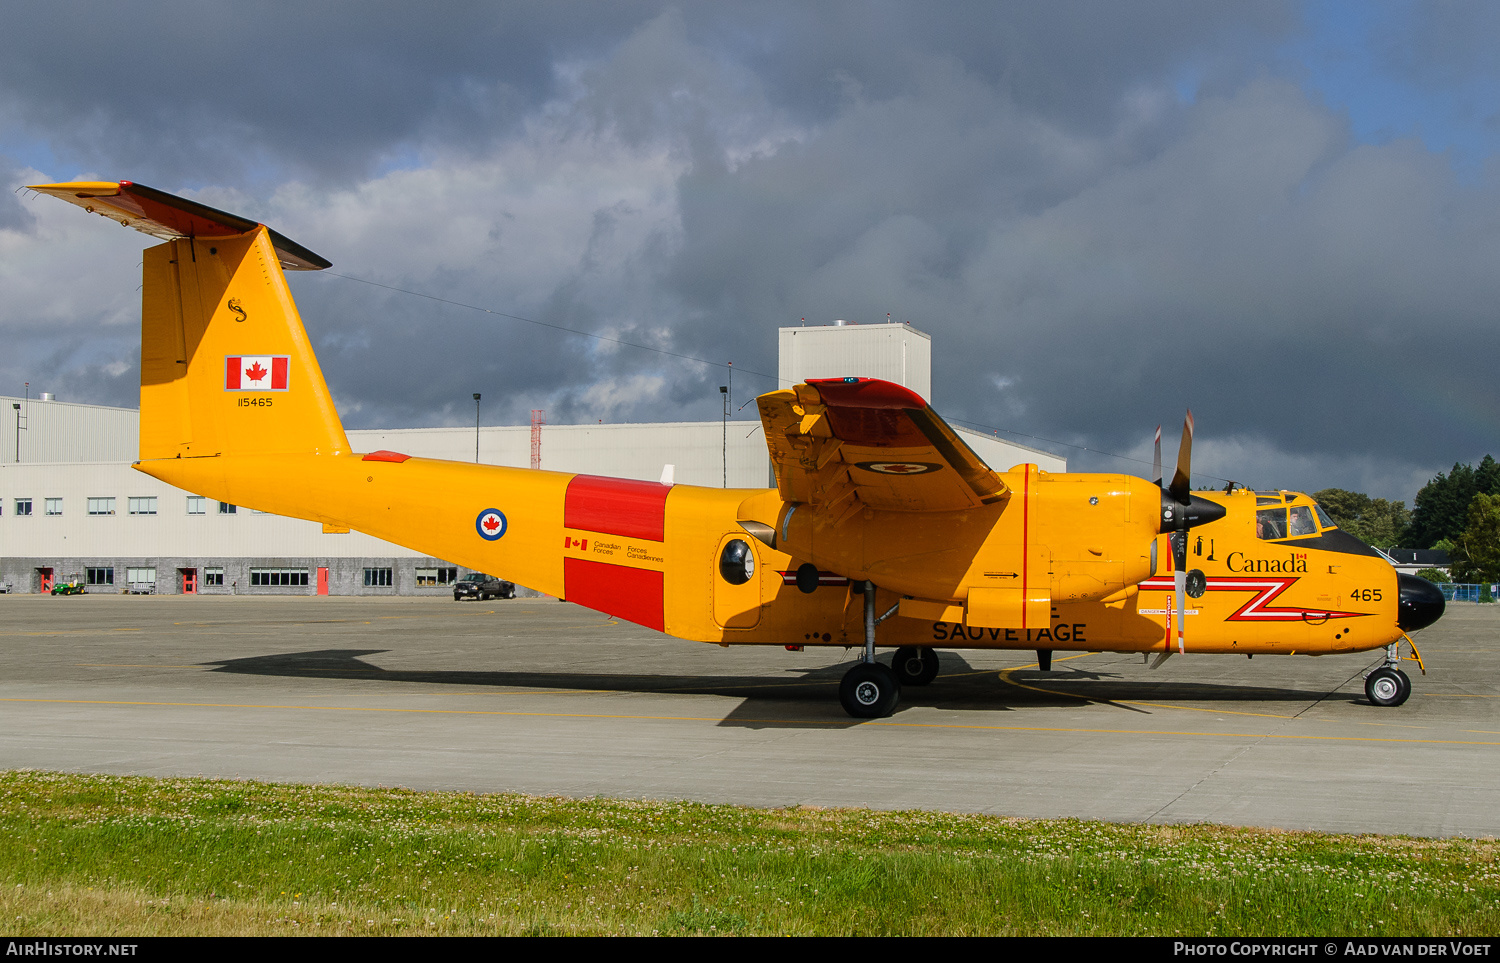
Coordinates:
[1388,685]
[915,664]
[871,689]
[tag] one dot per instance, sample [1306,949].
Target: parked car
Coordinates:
[476,585]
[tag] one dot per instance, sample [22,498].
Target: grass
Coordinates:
[97,855]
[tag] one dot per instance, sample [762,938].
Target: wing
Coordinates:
[838,444]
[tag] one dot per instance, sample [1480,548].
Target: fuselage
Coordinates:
[1278,576]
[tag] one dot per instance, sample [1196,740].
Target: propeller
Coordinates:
[1180,511]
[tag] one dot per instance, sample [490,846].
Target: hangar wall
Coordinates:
[72,505]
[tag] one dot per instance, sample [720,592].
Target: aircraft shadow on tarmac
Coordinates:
[809,699]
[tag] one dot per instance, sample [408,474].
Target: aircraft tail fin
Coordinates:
[226,365]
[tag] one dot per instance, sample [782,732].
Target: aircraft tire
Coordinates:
[915,665]
[870,690]
[1387,687]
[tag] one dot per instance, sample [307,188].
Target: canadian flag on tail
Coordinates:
[262,372]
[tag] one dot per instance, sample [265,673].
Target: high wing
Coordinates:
[840,444]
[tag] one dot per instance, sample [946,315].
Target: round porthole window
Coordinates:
[737,562]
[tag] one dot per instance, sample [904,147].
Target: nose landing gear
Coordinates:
[1388,685]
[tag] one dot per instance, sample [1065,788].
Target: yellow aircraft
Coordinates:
[884,528]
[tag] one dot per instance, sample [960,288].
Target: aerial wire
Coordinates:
[704,361]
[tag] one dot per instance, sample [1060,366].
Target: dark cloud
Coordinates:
[1103,213]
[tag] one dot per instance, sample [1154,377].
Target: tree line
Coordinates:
[1458,512]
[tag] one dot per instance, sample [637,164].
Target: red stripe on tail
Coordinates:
[616,506]
[634,594]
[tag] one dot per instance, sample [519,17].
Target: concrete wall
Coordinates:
[345,575]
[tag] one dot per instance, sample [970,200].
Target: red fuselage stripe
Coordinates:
[1025,542]
[616,506]
[635,594]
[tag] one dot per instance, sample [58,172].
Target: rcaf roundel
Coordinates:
[898,467]
[256,372]
[490,524]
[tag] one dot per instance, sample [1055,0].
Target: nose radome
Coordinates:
[1421,603]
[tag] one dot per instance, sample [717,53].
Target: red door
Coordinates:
[322,581]
[189,581]
[46,578]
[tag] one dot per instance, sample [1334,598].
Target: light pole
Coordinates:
[476,427]
[724,392]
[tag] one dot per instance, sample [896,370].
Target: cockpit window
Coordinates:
[1325,519]
[1302,521]
[1293,522]
[1270,523]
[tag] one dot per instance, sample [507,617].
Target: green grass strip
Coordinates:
[108,855]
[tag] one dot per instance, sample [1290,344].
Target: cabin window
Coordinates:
[1270,523]
[1325,519]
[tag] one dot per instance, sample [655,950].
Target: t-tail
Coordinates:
[234,405]
[219,331]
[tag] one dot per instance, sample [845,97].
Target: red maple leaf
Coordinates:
[900,469]
[256,372]
[492,523]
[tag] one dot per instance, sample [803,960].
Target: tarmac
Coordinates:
[544,697]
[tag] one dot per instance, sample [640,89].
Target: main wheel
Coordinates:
[1387,687]
[915,665]
[869,691]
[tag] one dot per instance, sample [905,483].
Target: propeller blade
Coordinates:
[1156,462]
[1181,487]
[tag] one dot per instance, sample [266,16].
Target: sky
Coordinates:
[1283,215]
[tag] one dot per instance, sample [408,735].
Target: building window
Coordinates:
[227,509]
[138,576]
[100,576]
[213,576]
[197,505]
[436,576]
[97,506]
[23,506]
[143,506]
[54,507]
[278,576]
[377,576]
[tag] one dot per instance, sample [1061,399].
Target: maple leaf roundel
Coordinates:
[490,524]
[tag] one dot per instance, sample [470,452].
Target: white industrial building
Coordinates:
[71,506]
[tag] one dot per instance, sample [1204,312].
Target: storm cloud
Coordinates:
[1102,214]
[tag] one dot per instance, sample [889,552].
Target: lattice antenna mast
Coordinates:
[538,419]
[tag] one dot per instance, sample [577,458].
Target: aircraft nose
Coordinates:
[1421,603]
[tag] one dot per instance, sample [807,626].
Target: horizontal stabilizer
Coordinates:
[170,217]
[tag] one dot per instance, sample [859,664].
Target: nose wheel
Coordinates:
[1387,686]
